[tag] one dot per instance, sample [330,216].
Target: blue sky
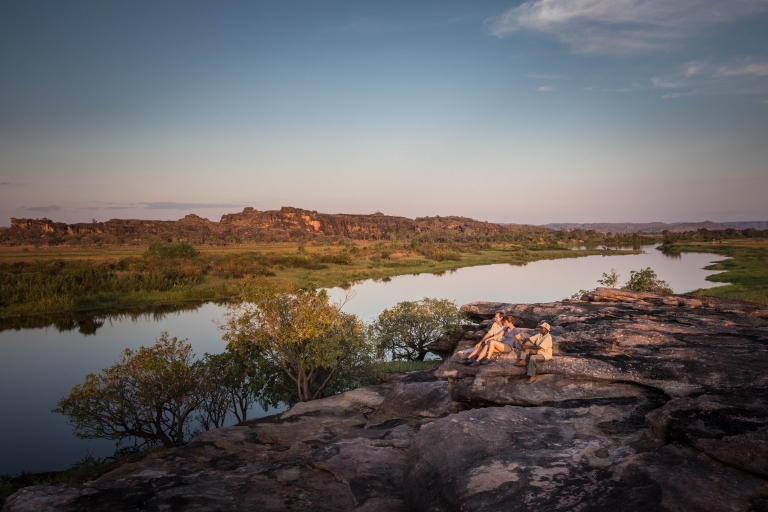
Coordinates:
[533,112]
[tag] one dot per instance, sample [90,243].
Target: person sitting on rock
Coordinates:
[503,342]
[496,328]
[536,349]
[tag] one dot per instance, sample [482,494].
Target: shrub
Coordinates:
[405,330]
[646,281]
[149,394]
[303,344]
[181,250]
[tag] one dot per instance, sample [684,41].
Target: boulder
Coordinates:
[414,401]
[515,458]
[653,402]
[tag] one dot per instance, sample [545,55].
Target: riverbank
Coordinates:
[46,282]
[91,468]
[639,410]
[746,270]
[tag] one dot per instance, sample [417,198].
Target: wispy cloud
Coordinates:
[754,69]
[381,25]
[742,76]
[630,88]
[5,182]
[620,26]
[544,77]
[187,206]
[46,209]
[545,88]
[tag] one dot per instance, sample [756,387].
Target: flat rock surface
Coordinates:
[652,402]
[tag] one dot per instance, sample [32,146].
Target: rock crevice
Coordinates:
[653,403]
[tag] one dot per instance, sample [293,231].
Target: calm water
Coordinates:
[39,365]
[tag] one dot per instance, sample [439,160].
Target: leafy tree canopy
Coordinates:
[405,330]
[646,281]
[152,394]
[149,394]
[304,344]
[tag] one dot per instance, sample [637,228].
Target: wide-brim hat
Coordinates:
[546,326]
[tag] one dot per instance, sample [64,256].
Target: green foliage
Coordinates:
[646,281]
[231,383]
[152,393]
[172,273]
[398,366]
[305,346]
[405,330]
[610,279]
[579,294]
[177,250]
[744,274]
[149,394]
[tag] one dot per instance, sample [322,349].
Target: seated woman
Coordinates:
[496,328]
[503,342]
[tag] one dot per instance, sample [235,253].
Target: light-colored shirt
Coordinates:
[545,345]
[494,330]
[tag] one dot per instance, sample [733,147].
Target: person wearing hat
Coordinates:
[536,349]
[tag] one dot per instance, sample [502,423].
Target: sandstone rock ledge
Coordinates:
[653,403]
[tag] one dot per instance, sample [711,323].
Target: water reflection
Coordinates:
[89,322]
[39,365]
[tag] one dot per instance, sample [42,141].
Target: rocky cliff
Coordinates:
[252,225]
[652,403]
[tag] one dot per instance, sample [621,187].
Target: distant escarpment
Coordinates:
[253,226]
[657,227]
[652,403]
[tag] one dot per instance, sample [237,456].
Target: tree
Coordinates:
[230,382]
[406,330]
[609,279]
[149,393]
[300,341]
[646,281]
[215,402]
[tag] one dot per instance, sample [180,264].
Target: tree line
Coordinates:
[284,345]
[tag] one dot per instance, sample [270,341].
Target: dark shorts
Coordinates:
[507,348]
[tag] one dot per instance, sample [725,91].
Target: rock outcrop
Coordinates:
[653,403]
[252,225]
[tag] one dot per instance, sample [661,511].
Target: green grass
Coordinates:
[65,281]
[746,271]
[408,366]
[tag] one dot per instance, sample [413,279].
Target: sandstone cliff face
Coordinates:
[652,403]
[252,225]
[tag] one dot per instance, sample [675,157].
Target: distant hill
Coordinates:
[254,226]
[656,227]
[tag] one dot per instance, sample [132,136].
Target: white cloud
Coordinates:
[545,88]
[743,76]
[668,83]
[755,69]
[620,26]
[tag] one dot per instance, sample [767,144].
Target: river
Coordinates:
[39,365]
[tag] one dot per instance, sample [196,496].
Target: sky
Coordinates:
[506,111]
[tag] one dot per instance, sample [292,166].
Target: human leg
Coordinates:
[497,347]
[523,358]
[534,360]
[477,350]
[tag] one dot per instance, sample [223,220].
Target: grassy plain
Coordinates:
[55,280]
[746,271]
